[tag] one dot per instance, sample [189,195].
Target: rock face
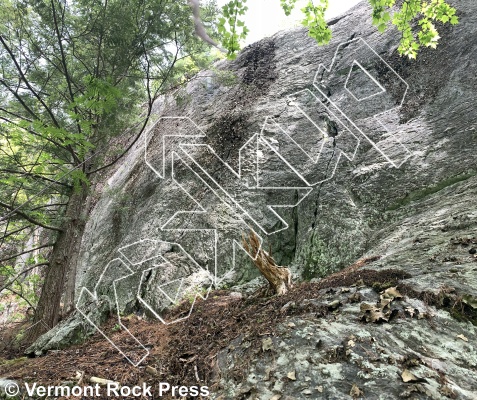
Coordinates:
[334,358]
[331,154]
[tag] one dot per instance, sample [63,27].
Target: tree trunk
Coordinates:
[70,286]
[62,264]
[278,277]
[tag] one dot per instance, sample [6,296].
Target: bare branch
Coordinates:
[27,251]
[23,77]
[8,234]
[19,99]
[21,273]
[22,296]
[278,277]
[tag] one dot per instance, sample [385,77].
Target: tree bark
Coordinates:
[70,286]
[278,277]
[62,263]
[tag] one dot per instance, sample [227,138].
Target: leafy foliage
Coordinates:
[426,13]
[75,75]
[231,27]
[24,290]
[415,19]
[288,6]
[315,21]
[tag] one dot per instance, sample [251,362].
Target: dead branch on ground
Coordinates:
[279,277]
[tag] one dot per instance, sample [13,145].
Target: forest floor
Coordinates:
[183,353]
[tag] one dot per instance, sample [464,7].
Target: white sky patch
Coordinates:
[265,17]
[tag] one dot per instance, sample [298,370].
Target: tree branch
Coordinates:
[27,251]
[27,217]
[24,79]
[49,205]
[63,61]
[8,234]
[20,295]
[151,99]
[20,100]
[21,273]
[11,171]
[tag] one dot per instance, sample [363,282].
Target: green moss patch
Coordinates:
[422,193]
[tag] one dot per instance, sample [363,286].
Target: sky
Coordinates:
[266,17]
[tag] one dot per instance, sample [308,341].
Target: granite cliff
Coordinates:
[332,154]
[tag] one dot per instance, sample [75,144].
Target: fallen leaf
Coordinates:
[356,391]
[267,374]
[373,314]
[334,305]
[392,293]
[411,311]
[448,392]
[470,301]
[292,375]
[408,376]
[385,302]
[351,343]
[463,338]
[267,344]
[366,307]
[151,370]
